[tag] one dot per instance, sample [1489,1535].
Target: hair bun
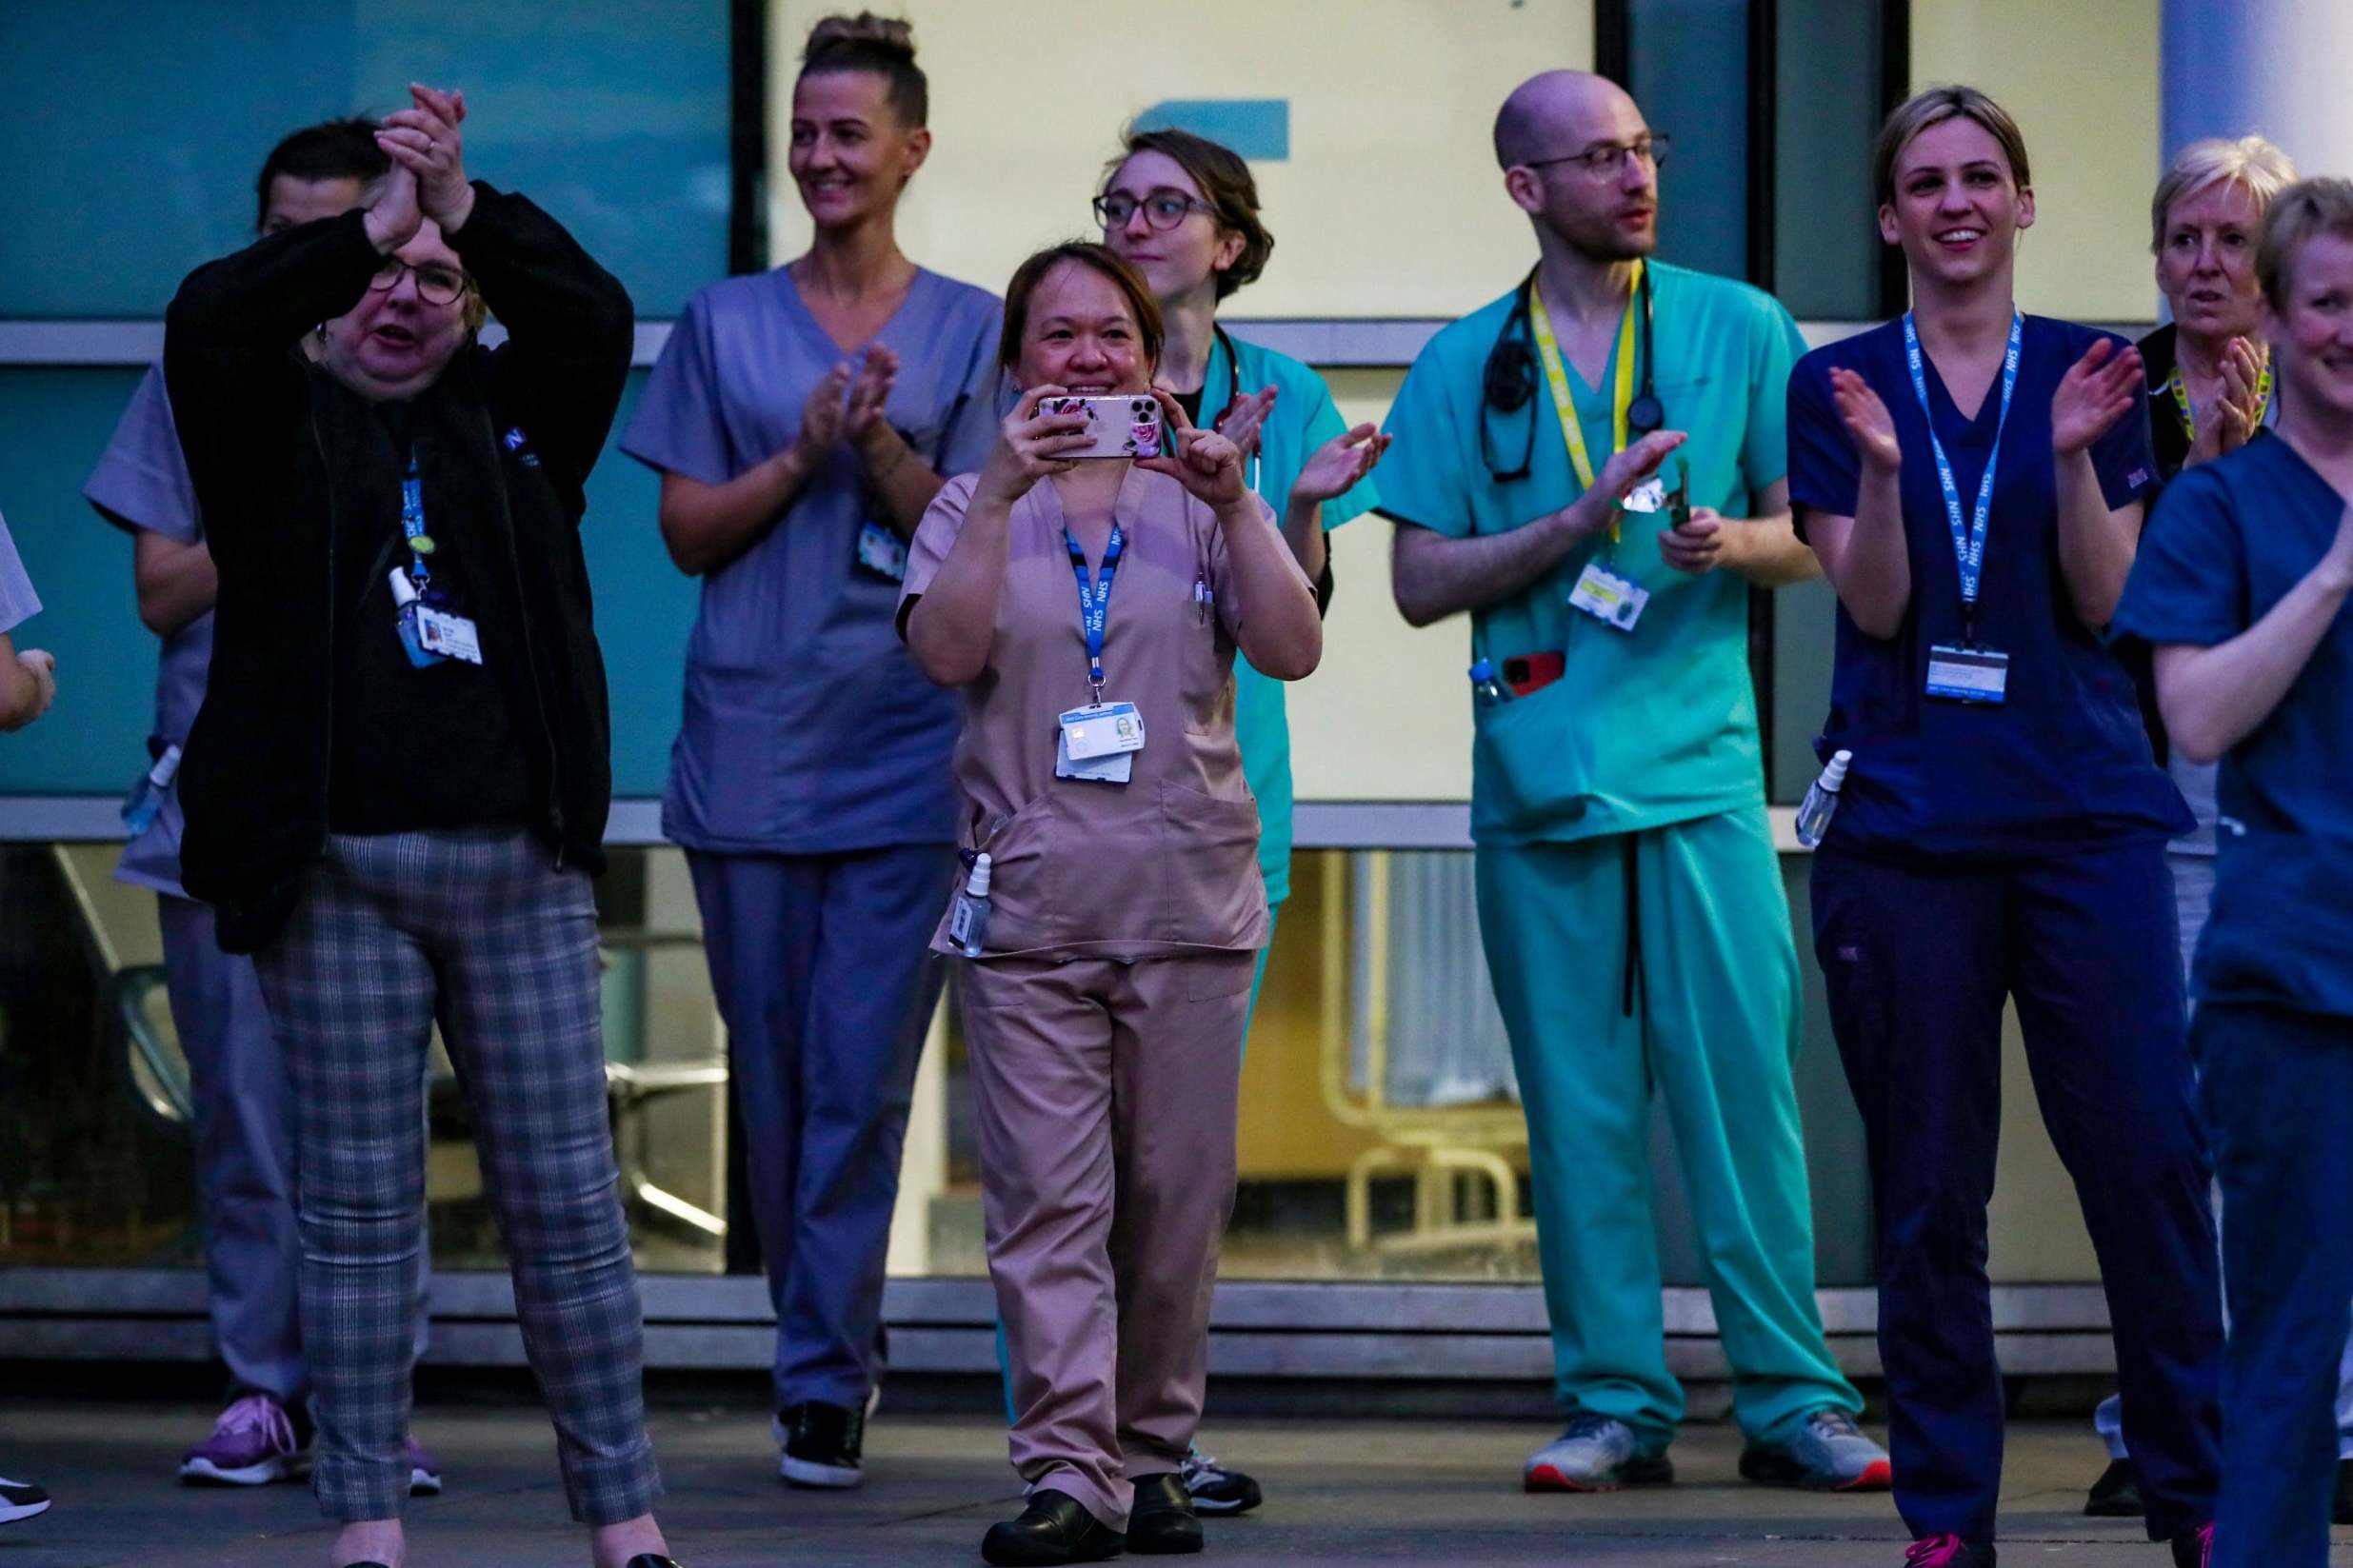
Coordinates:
[886,34]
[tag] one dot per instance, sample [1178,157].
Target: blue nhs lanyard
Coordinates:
[412,525]
[1095,600]
[1969,539]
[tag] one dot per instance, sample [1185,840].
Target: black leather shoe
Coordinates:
[1054,1528]
[2116,1494]
[2343,1512]
[652,1560]
[1163,1522]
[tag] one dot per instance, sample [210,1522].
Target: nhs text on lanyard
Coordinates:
[428,632]
[1967,673]
[1099,742]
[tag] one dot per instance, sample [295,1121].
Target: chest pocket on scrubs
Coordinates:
[1208,666]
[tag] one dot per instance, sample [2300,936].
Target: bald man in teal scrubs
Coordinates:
[1629,896]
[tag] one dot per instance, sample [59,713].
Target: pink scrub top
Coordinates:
[1166,863]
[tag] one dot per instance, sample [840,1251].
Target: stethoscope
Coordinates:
[1233,391]
[1509,383]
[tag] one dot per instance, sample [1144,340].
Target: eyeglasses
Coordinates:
[1162,210]
[436,284]
[1605,163]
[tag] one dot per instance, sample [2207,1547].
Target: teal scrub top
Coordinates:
[1646,727]
[1302,420]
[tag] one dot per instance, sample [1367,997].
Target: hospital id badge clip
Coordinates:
[1968,674]
[451,636]
[1614,601]
[1097,743]
[882,551]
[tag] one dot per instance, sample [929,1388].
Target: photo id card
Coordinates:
[882,551]
[1968,675]
[1097,743]
[451,636]
[1610,598]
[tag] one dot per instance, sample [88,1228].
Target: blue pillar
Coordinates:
[2273,67]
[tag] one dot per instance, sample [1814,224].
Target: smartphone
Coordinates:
[1124,425]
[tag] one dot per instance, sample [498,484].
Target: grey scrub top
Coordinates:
[142,480]
[807,727]
[18,603]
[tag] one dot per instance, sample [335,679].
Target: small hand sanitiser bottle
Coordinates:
[1822,801]
[967,927]
[147,797]
[1485,689]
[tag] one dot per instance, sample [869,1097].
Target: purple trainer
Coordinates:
[252,1445]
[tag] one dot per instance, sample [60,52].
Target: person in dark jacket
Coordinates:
[397,783]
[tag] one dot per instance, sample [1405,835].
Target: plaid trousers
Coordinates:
[480,931]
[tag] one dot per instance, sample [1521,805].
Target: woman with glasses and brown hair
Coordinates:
[1973,480]
[397,784]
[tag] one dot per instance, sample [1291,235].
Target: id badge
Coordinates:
[1608,598]
[1968,675]
[1104,729]
[882,551]
[1110,734]
[451,636]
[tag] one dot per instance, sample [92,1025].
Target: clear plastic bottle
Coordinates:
[1485,689]
[1822,801]
[967,927]
[147,797]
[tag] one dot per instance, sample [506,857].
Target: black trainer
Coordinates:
[2116,1494]
[1216,1489]
[821,1445]
[1162,1521]
[1055,1528]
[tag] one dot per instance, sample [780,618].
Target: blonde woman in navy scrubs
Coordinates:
[802,420]
[1973,481]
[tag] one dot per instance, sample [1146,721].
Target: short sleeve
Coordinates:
[1775,346]
[2189,580]
[1230,606]
[934,537]
[1421,477]
[141,478]
[1322,424]
[981,403]
[680,427]
[1825,472]
[18,603]
[2123,458]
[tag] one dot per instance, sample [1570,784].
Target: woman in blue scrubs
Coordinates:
[802,420]
[1183,210]
[1973,481]
[2241,593]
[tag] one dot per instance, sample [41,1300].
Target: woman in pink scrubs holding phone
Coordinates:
[1090,609]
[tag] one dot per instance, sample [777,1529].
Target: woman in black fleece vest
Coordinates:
[398,786]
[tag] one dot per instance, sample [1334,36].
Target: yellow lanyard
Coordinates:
[2189,414]
[1556,377]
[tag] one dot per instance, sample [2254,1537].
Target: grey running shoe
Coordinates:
[1596,1454]
[1827,1453]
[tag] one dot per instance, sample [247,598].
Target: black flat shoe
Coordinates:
[652,1560]
[2116,1494]
[1163,1522]
[2341,1511]
[1055,1528]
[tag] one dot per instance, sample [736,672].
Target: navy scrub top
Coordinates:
[2230,539]
[2063,765]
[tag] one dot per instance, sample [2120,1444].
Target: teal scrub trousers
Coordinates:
[1704,1004]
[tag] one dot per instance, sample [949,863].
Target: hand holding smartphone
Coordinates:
[1119,425]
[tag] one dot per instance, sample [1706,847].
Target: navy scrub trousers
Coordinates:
[1918,961]
[2278,1089]
[821,967]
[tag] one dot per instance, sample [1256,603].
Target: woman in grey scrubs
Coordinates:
[802,420]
